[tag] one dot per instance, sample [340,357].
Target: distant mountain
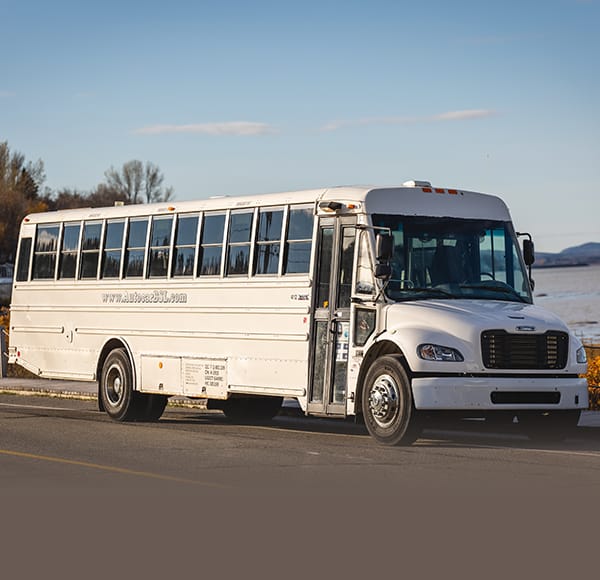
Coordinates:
[584,254]
[589,249]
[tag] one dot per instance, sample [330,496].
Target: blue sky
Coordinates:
[233,97]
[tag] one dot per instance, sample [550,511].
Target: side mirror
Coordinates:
[383,271]
[528,252]
[384,247]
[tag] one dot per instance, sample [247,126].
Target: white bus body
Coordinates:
[246,300]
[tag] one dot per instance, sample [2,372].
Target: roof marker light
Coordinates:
[415,183]
[330,205]
[439,190]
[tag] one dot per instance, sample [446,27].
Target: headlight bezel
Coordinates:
[431,352]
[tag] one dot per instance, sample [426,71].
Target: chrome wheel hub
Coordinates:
[384,400]
[114,384]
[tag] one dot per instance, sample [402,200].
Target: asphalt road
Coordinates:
[66,446]
[460,496]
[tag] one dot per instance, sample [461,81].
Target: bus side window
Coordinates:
[211,245]
[24,259]
[90,250]
[136,245]
[184,253]
[68,250]
[44,258]
[238,246]
[298,241]
[160,244]
[268,241]
[113,248]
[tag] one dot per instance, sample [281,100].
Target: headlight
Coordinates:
[581,356]
[439,353]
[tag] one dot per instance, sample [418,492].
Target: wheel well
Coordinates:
[111,345]
[383,348]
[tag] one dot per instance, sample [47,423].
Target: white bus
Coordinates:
[386,303]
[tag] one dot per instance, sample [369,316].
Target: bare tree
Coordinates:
[67,198]
[137,183]
[20,187]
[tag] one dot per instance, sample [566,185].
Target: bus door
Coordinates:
[331,324]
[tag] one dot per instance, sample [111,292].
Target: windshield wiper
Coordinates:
[430,290]
[500,287]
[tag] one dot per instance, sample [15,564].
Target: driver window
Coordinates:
[365,283]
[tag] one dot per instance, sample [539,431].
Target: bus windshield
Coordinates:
[446,258]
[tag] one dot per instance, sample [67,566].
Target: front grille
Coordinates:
[502,350]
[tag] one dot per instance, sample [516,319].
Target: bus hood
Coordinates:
[458,324]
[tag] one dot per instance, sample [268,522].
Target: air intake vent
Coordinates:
[502,350]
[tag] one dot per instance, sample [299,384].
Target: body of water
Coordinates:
[574,295]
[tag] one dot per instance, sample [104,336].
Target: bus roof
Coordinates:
[412,198]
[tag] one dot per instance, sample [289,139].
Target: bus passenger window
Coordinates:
[90,250]
[44,259]
[184,253]
[298,241]
[113,247]
[136,244]
[238,252]
[211,245]
[68,251]
[160,244]
[24,260]
[268,241]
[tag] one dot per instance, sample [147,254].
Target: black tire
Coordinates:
[387,403]
[248,409]
[151,407]
[548,426]
[117,394]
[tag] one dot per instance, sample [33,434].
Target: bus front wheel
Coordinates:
[387,403]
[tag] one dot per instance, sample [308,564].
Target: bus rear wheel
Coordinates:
[117,395]
[256,408]
[387,403]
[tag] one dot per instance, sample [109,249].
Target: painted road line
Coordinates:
[109,468]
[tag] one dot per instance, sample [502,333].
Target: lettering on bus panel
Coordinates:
[205,377]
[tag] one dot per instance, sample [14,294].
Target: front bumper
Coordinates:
[477,393]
